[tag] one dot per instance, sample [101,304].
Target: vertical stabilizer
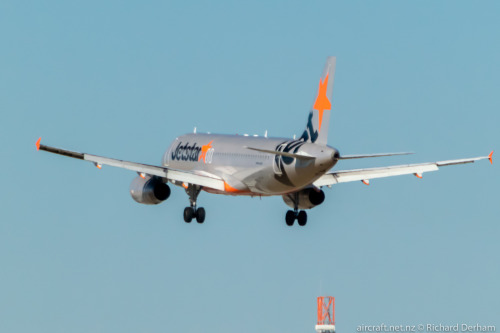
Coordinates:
[319,118]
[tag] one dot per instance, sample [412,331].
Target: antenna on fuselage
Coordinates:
[265,134]
[194,131]
[294,136]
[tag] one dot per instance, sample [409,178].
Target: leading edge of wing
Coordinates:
[345,176]
[171,174]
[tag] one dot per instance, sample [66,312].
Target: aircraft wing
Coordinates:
[170,174]
[365,175]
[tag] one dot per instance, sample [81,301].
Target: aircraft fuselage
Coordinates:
[246,171]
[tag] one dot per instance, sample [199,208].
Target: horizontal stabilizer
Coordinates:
[351,157]
[297,156]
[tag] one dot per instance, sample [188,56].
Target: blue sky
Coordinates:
[123,79]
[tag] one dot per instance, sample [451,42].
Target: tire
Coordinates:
[188,214]
[302,218]
[289,218]
[200,215]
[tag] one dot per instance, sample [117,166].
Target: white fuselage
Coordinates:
[246,171]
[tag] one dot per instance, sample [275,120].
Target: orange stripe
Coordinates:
[230,189]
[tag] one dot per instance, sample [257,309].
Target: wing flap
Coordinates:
[366,174]
[138,167]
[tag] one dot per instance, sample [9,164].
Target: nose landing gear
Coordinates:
[193,211]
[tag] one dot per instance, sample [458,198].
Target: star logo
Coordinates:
[322,103]
[204,150]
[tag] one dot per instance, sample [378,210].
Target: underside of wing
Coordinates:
[365,175]
[175,176]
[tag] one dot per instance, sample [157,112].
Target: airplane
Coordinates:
[296,169]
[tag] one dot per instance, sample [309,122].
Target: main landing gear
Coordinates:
[295,214]
[292,215]
[193,212]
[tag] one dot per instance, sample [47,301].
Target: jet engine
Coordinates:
[307,198]
[149,190]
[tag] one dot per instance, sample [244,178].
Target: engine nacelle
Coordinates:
[149,190]
[307,198]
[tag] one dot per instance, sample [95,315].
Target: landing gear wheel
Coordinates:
[302,218]
[191,212]
[188,214]
[200,215]
[290,217]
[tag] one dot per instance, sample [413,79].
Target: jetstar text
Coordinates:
[186,152]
